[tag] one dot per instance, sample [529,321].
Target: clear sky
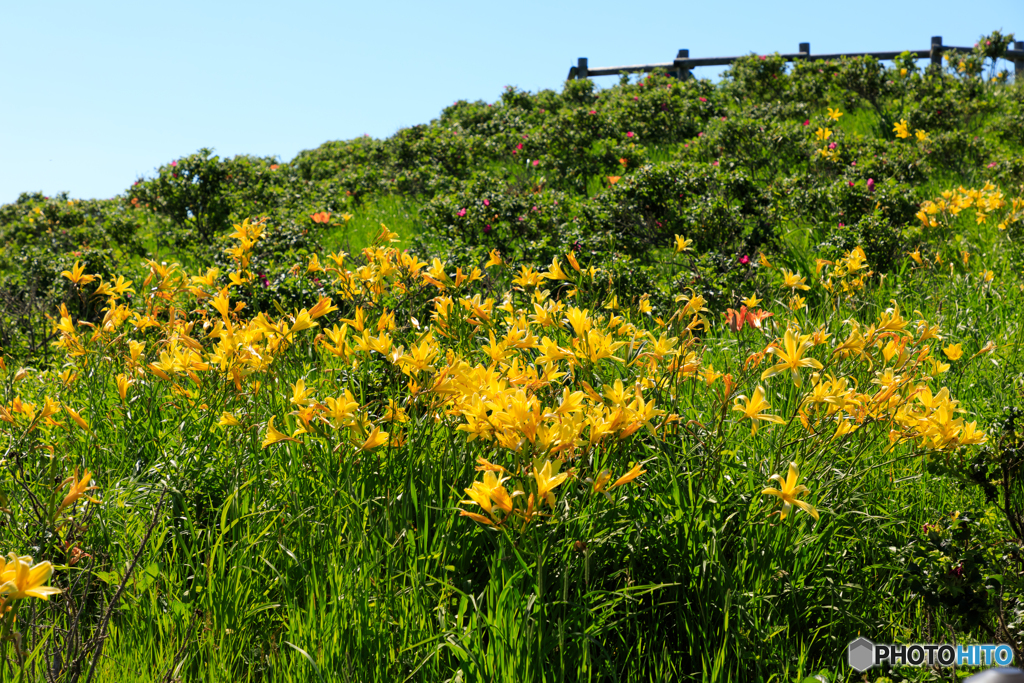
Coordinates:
[99,94]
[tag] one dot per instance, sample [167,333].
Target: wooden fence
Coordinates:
[683,63]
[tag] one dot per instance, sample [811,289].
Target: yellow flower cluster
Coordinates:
[902,130]
[900,397]
[531,374]
[828,150]
[847,275]
[986,202]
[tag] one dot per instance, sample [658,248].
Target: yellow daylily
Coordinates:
[754,409]
[953,352]
[274,436]
[78,489]
[788,491]
[547,480]
[682,244]
[76,274]
[376,438]
[628,476]
[793,280]
[19,578]
[791,358]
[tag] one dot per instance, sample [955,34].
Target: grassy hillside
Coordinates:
[666,381]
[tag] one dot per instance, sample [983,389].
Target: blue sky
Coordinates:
[99,94]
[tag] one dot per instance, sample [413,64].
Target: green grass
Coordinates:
[398,213]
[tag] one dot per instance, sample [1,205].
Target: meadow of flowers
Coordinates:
[671,380]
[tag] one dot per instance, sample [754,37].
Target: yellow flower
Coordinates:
[834,114]
[791,358]
[953,352]
[274,436]
[78,489]
[487,494]
[555,272]
[901,129]
[494,259]
[547,480]
[19,578]
[628,476]
[76,275]
[682,244]
[754,409]
[823,134]
[122,386]
[921,135]
[788,491]
[228,420]
[76,417]
[989,347]
[375,439]
[793,280]
[322,308]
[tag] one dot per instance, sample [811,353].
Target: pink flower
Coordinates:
[636,99]
[487,228]
[519,146]
[993,165]
[630,134]
[831,145]
[487,202]
[700,135]
[807,122]
[842,225]
[851,183]
[174,163]
[744,260]
[593,111]
[462,212]
[536,162]
[871,184]
[703,99]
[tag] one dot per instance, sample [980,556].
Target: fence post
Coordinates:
[683,72]
[805,49]
[581,68]
[936,52]
[1018,62]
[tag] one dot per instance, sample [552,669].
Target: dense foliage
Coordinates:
[663,381]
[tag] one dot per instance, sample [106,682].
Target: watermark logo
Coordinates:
[862,654]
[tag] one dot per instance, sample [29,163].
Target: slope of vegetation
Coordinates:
[671,380]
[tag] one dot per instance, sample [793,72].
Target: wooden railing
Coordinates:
[683,63]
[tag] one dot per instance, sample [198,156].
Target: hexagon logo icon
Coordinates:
[861,654]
